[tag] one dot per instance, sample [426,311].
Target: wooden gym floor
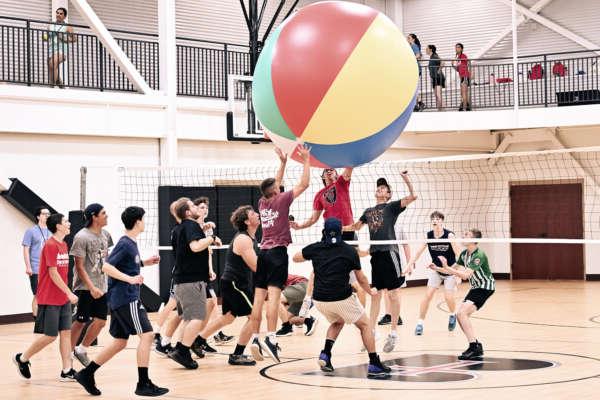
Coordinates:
[542,340]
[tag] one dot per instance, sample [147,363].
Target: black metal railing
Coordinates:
[28,48]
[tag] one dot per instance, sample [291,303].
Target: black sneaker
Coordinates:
[184,358]
[474,352]
[221,338]
[257,350]
[377,369]
[272,349]
[150,389]
[241,359]
[22,367]
[198,349]
[311,325]
[286,330]
[385,320]
[163,350]
[325,362]
[88,382]
[157,339]
[68,377]
[208,349]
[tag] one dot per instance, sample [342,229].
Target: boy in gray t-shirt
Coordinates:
[90,248]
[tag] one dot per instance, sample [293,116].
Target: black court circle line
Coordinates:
[439,307]
[263,373]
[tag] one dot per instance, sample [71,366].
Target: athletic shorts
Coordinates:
[465,80]
[478,297]
[385,270]
[191,300]
[52,319]
[272,268]
[236,300]
[435,280]
[33,282]
[294,296]
[88,307]
[349,310]
[210,290]
[130,319]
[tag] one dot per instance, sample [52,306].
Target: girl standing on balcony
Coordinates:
[58,36]
[461,64]
[438,80]
[415,45]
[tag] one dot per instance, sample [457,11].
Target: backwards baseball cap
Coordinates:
[90,211]
[383,182]
[332,232]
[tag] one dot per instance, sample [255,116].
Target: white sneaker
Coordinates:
[390,343]
[82,357]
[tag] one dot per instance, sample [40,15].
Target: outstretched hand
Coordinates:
[304,152]
[281,155]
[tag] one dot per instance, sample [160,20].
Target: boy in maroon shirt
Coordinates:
[54,300]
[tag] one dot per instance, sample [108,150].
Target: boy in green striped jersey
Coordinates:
[472,264]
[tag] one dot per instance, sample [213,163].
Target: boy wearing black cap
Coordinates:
[332,261]
[90,248]
[386,272]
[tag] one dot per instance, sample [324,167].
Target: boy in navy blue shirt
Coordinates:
[128,316]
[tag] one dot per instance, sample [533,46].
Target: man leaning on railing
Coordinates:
[58,36]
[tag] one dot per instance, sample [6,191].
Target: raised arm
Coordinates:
[304,153]
[347,174]
[282,163]
[316,214]
[455,246]
[411,196]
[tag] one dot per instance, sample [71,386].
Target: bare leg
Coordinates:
[93,331]
[143,349]
[374,310]
[464,312]
[76,329]
[34,306]
[172,325]
[438,97]
[394,307]
[166,311]
[109,351]
[364,325]
[283,314]
[360,293]
[425,302]
[216,324]
[334,330]
[272,307]
[65,349]
[37,346]
[450,301]
[191,331]
[210,306]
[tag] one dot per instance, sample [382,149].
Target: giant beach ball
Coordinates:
[339,77]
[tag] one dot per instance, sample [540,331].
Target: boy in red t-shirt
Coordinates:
[461,64]
[54,300]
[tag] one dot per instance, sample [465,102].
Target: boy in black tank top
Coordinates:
[236,284]
[449,250]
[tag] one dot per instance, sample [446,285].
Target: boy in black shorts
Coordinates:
[128,316]
[472,264]
[386,272]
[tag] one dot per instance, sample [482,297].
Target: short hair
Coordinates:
[239,217]
[53,221]
[432,48]
[64,10]
[265,186]
[201,200]
[38,211]
[131,215]
[383,182]
[476,233]
[181,207]
[436,214]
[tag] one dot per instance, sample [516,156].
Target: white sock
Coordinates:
[165,341]
[81,349]
[66,370]
[394,334]
[453,313]
[156,329]
[23,359]
[419,322]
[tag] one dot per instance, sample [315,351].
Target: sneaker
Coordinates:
[22,367]
[272,349]
[256,350]
[419,330]
[82,357]
[241,359]
[157,339]
[385,320]
[377,369]
[88,382]
[183,358]
[221,338]
[208,349]
[163,350]
[149,389]
[286,330]
[198,349]
[474,352]
[311,325]
[451,322]
[325,362]
[390,343]
[68,377]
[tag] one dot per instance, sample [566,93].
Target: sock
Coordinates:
[254,336]
[66,370]
[419,322]
[156,329]
[453,313]
[239,350]
[272,337]
[394,334]
[164,341]
[81,349]
[143,375]
[373,358]
[22,359]
[92,367]
[328,346]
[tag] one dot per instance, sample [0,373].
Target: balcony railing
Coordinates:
[27,48]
